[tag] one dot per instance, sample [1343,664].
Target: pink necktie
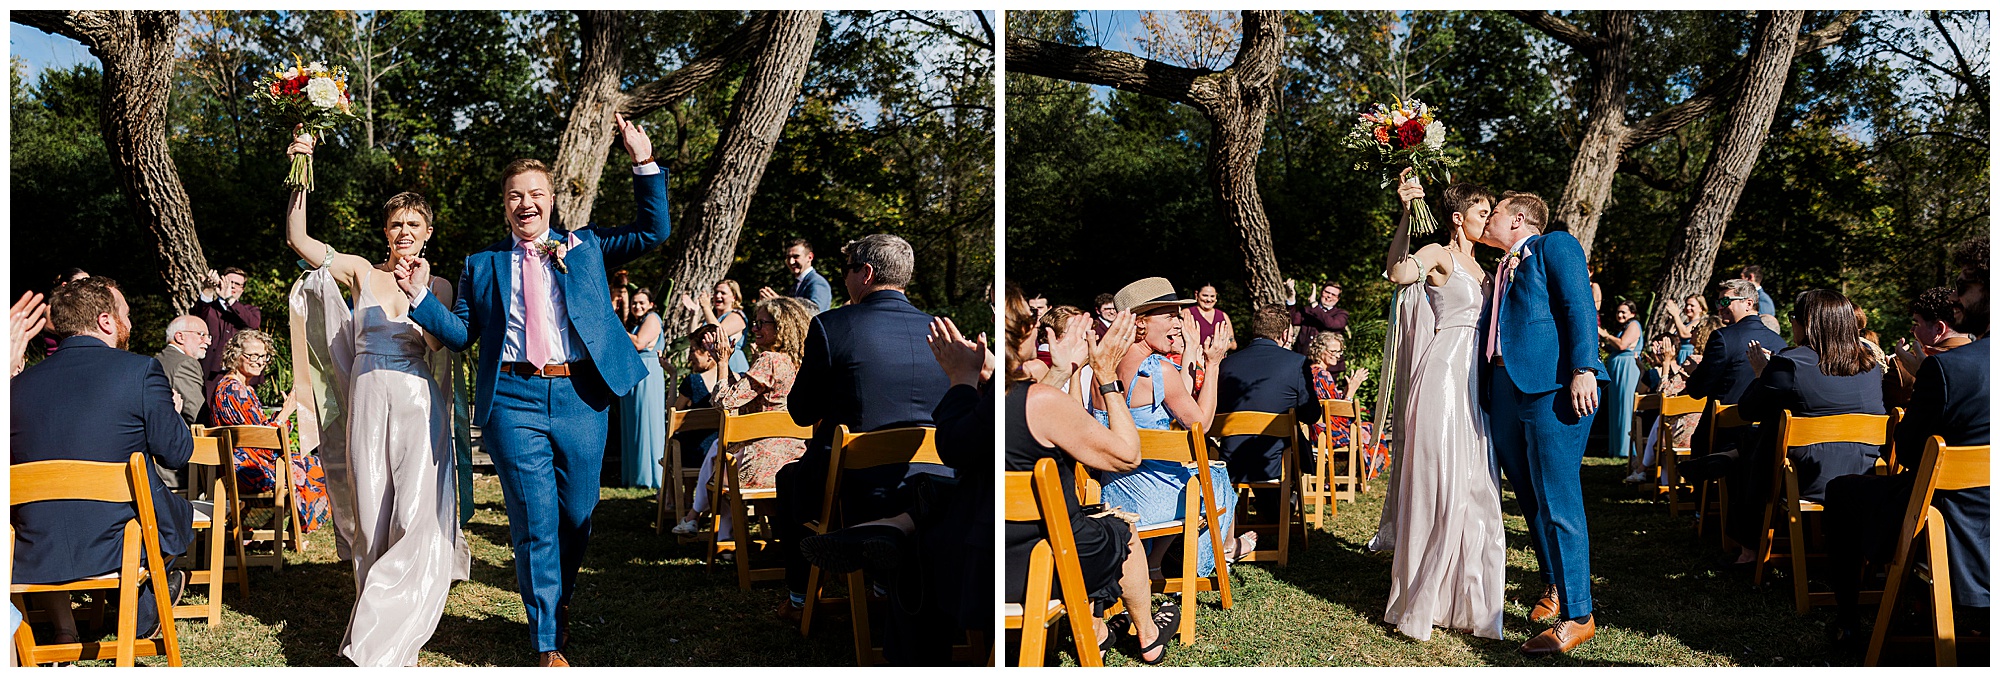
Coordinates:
[1499,292]
[534,299]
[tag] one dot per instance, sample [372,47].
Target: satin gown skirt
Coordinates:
[1442,517]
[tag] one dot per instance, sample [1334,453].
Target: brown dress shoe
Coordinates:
[554,659]
[788,613]
[1546,607]
[1560,638]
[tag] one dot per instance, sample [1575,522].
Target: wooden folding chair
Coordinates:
[127,482]
[1713,496]
[675,477]
[283,529]
[1797,431]
[210,466]
[1886,465]
[1290,513]
[1189,448]
[1038,497]
[736,430]
[1337,481]
[1943,468]
[856,451]
[1669,457]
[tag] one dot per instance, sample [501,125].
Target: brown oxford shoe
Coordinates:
[1546,607]
[1560,638]
[554,659]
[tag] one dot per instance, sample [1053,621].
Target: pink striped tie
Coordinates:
[1499,292]
[534,304]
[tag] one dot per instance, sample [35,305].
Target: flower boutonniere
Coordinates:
[557,249]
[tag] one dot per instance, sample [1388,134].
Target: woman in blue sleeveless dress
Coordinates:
[642,414]
[1158,397]
[1623,366]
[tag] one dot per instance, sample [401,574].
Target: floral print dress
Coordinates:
[256,469]
[1374,456]
[763,388]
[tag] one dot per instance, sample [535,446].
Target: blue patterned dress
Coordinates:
[1156,490]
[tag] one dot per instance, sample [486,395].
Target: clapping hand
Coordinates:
[1073,349]
[1355,377]
[1107,352]
[28,316]
[965,362]
[688,303]
[634,139]
[765,294]
[1219,343]
[1758,357]
[413,275]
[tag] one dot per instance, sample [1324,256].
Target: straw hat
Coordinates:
[1147,294]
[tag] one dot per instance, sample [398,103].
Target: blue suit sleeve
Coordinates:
[648,228]
[807,403]
[1771,394]
[167,438]
[822,294]
[1569,294]
[457,327]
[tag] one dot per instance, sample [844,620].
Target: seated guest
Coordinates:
[725,311]
[1327,350]
[1265,377]
[225,313]
[48,339]
[187,345]
[1158,397]
[1043,422]
[866,366]
[1665,376]
[1059,326]
[780,328]
[694,390]
[1724,373]
[1827,373]
[235,403]
[92,401]
[1931,315]
[1951,399]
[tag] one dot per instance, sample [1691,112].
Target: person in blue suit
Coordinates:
[807,283]
[1268,377]
[556,356]
[1540,347]
[1724,374]
[93,401]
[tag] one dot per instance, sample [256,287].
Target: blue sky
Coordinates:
[42,50]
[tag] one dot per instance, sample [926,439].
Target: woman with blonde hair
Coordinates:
[725,311]
[780,327]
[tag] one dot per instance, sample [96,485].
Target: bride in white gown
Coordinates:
[385,433]
[1442,514]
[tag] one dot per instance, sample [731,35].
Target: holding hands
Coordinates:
[413,275]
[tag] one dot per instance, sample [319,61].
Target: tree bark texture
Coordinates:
[1692,253]
[137,51]
[703,254]
[1235,101]
[1608,139]
[587,138]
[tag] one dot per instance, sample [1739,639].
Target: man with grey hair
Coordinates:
[187,344]
[867,366]
[1724,372]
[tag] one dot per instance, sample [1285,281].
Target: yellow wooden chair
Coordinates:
[1038,497]
[1796,431]
[1943,468]
[1291,505]
[1668,457]
[283,530]
[1339,470]
[1190,449]
[736,430]
[210,466]
[856,451]
[127,482]
[1713,496]
[676,495]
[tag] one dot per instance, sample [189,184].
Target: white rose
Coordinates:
[315,67]
[1434,134]
[323,92]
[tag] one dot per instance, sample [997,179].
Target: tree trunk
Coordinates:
[586,140]
[763,104]
[1235,102]
[1768,65]
[137,50]
[1607,139]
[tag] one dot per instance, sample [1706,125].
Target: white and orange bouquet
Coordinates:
[1405,133]
[310,98]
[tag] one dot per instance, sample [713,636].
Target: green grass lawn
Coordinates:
[641,600]
[1662,597]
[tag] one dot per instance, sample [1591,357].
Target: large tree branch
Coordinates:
[1723,89]
[1107,67]
[1964,73]
[1561,30]
[1652,176]
[79,25]
[1263,42]
[986,44]
[659,93]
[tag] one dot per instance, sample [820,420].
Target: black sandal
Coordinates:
[1167,618]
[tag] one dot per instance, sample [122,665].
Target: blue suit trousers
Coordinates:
[547,443]
[1538,441]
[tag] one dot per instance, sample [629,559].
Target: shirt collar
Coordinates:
[1519,245]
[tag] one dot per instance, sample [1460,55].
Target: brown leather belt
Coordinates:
[1499,361]
[525,369]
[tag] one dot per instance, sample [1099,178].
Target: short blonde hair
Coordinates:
[239,347]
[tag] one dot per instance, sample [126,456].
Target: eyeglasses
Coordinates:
[258,357]
[754,324]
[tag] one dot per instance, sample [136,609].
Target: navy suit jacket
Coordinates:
[1793,382]
[867,366]
[814,287]
[92,402]
[480,311]
[1266,377]
[1724,374]
[1548,323]
[1952,400]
